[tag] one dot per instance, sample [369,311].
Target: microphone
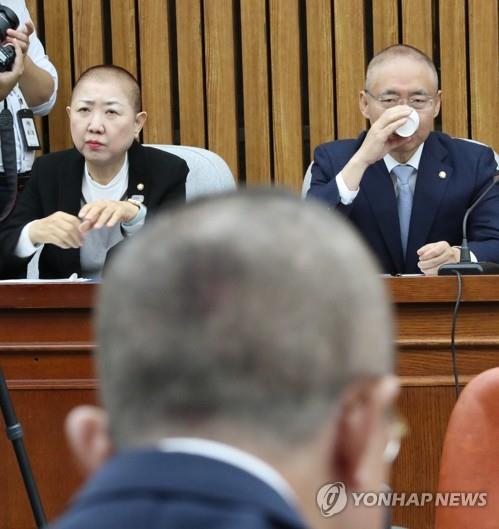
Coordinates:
[465,266]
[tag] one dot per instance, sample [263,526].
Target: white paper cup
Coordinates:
[410,126]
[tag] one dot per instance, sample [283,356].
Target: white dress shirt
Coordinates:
[15,99]
[232,456]
[347,196]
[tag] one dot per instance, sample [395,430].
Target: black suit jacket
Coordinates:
[452,174]
[55,185]
[157,490]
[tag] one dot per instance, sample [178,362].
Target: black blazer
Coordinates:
[55,185]
[157,490]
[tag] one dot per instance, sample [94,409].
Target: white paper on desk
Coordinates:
[73,278]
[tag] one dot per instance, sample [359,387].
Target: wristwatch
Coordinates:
[135,202]
[139,216]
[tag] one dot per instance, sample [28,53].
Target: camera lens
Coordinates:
[7,57]
[8,19]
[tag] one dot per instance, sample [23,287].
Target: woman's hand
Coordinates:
[60,229]
[95,215]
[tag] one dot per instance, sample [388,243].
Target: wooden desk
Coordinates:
[424,307]
[45,353]
[46,344]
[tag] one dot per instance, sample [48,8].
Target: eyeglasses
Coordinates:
[417,102]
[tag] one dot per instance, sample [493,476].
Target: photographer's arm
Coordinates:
[37,85]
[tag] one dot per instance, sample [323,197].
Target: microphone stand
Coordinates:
[15,434]
[465,266]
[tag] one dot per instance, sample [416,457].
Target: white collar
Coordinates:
[413,161]
[121,175]
[232,456]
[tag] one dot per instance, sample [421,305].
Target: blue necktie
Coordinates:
[403,174]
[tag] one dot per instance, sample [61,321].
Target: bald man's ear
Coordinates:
[357,455]
[88,437]
[363,104]
[437,103]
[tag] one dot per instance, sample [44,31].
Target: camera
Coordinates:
[8,19]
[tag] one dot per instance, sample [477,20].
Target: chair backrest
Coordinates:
[208,172]
[496,155]
[308,174]
[470,455]
[306,181]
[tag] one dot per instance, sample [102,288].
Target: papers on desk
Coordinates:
[402,275]
[73,278]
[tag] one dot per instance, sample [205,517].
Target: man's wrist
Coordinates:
[6,88]
[346,195]
[358,162]
[353,172]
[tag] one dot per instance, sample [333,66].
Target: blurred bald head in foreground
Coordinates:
[245,358]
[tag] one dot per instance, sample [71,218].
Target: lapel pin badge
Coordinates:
[442,174]
[140,187]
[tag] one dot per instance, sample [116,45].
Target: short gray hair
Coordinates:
[253,308]
[115,74]
[399,50]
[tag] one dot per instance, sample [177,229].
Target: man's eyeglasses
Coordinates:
[417,102]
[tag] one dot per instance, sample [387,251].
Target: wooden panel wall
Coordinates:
[350,65]
[220,50]
[88,38]
[320,65]
[263,82]
[385,24]
[192,108]
[484,73]
[453,77]
[154,53]
[256,92]
[286,92]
